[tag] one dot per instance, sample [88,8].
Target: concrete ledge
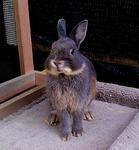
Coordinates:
[129,139]
[122,95]
[114,126]
[28,130]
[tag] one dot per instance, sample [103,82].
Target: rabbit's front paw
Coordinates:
[77,132]
[66,136]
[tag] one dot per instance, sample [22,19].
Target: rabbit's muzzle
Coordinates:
[57,67]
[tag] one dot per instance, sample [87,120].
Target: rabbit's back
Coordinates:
[92,80]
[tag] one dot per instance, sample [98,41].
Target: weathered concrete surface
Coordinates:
[129,139]
[27,130]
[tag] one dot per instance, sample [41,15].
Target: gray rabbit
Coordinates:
[71,81]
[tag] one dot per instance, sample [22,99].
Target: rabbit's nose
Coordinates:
[58,63]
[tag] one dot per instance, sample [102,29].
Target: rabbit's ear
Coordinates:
[61,28]
[79,32]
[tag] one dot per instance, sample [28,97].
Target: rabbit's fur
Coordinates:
[71,80]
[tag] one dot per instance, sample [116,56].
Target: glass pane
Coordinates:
[9,59]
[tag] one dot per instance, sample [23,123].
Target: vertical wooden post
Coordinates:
[23,36]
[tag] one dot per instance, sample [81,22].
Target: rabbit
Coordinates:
[71,81]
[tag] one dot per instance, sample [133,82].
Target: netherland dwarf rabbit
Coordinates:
[71,81]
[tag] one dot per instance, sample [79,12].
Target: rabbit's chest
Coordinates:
[65,94]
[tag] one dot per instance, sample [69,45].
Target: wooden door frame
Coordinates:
[22,90]
[23,36]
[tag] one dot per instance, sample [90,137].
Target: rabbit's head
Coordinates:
[64,57]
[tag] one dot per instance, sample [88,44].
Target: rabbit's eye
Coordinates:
[72,51]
